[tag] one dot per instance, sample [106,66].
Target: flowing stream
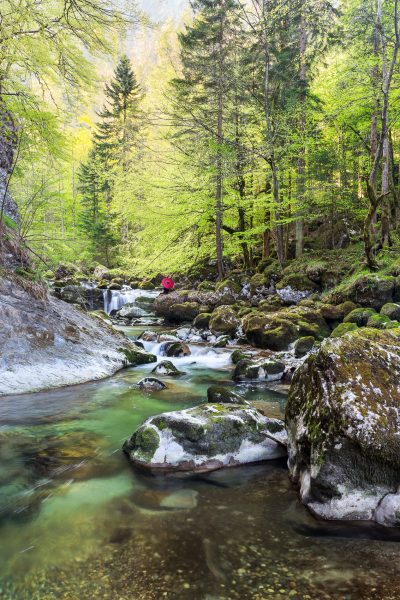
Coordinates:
[77,522]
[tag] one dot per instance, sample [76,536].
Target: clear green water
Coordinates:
[77,522]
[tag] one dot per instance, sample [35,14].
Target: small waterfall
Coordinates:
[114,300]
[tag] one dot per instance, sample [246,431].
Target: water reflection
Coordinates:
[77,522]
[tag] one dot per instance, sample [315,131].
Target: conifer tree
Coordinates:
[205,91]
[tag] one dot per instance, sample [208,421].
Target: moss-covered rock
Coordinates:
[134,356]
[224,320]
[259,370]
[369,290]
[175,349]
[342,420]
[303,346]
[342,329]
[207,437]
[238,355]
[146,285]
[297,281]
[228,285]
[206,286]
[259,283]
[379,321]
[391,310]
[166,367]
[277,330]
[222,341]
[338,312]
[202,321]
[360,316]
[151,384]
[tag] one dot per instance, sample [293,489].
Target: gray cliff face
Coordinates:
[45,342]
[8,138]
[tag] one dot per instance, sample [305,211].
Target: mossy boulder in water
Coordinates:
[224,320]
[166,367]
[206,438]
[175,349]
[135,356]
[265,369]
[343,427]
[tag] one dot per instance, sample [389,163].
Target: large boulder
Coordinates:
[224,320]
[277,330]
[89,298]
[198,301]
[206,438]
[47,343]
[174,349]
[344,430]
[372,290]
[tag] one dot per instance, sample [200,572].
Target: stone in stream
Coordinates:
[151,384]
[148,336]
[175,349]
[166,367]
[264,369]
[343,427]
[222,395]
[205,438]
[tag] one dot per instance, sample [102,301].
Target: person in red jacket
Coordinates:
[168,284]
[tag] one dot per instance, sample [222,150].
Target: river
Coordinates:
[77,522]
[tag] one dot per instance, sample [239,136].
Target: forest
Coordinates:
[258,128]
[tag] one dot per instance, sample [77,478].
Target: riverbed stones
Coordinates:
[205,438]
[135,356]
[259,370]
[343,427]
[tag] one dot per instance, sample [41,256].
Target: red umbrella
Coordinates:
[168,283]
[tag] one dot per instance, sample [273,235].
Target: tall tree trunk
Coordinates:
[301,163]
[219,187]
[278,229]
[385,219]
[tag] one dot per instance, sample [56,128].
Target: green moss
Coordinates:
[378,321]
[228,284]
[360,316]
[342,329]
[134,357]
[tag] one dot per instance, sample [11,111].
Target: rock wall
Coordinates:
[8,140]
[45,342]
